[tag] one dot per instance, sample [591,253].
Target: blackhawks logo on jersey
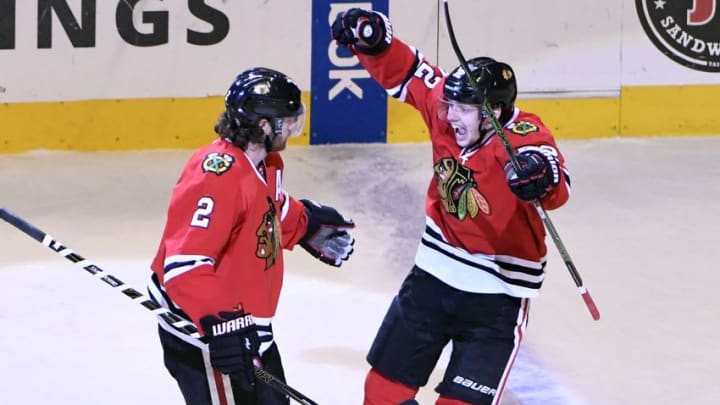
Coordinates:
[523,128]
[458,190]
[217,163]
[268,233]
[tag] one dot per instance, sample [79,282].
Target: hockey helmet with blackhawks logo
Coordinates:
[265,93]
[495,80]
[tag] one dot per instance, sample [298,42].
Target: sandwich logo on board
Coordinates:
[686,31]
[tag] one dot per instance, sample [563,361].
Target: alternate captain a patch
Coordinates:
[216,163]
[523,128]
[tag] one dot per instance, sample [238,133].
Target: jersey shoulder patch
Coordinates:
[217,163]
[523,128]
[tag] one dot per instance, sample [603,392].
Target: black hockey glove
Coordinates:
[234,345]
[326,237]
[369,31]
[539,173]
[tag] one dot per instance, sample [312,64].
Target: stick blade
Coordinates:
[590,303]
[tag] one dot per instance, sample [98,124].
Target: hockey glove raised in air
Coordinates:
[368,31]
[539,173]
[326,237]
[234,345]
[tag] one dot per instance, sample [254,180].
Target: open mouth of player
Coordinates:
[459,130]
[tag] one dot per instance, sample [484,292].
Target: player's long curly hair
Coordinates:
[239,134]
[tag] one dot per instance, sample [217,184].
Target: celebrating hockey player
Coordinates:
[482,255]
[220,260]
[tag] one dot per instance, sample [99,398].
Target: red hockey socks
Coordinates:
[382,391]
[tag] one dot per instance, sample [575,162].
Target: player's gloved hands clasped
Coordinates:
[538,175]
[326,237]
[368,31]
[234,345]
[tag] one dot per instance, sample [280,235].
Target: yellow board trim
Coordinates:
[582,118]
[566,118]
[640,111]
[115,125]
[670,110]
[180,123]
[404,123]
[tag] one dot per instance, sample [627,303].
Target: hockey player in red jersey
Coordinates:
[482,255]
[220,260]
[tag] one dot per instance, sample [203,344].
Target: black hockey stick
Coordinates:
[180,324]
[487,110]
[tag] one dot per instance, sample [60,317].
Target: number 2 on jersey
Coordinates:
[201,217]
[426,72]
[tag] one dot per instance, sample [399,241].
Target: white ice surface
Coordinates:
[641,226]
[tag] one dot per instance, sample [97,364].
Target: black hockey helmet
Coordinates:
[496,81]
[264,93]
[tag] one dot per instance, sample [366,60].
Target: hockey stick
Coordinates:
[179,323]
[516,165]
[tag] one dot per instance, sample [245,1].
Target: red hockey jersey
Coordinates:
[479,236]
[227,224]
